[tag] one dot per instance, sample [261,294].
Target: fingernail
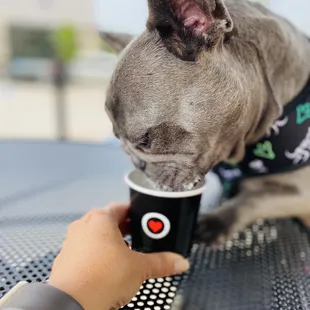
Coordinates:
[181,266]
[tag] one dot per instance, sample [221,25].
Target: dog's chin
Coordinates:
[176,186]
[186,186]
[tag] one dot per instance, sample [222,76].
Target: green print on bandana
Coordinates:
[227,187]
[303,113]
[265,150]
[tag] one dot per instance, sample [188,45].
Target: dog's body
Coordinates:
[202,82]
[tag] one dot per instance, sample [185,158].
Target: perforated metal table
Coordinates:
[45,186]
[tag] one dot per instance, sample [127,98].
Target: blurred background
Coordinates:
[56,58]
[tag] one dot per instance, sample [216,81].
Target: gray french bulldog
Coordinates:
[206,79]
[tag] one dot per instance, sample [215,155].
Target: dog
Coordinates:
[204,81]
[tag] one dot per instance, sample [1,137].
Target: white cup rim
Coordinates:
[162,194]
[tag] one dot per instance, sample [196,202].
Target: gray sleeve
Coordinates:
[39,296]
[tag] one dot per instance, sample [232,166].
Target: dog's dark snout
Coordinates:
[139,164]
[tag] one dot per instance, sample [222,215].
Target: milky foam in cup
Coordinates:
[161,220]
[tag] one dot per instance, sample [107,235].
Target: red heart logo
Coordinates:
[155,225]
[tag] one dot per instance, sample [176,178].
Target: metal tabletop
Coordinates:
[44,186]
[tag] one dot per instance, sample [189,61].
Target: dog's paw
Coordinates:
[211,229]
[215,228]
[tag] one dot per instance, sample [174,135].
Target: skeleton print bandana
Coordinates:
[285,147]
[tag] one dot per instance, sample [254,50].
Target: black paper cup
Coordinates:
[162,221]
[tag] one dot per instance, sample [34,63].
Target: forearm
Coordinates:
[38,296]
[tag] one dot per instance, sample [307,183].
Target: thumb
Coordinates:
[160,265]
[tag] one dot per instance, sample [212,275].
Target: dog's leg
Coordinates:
[236,214]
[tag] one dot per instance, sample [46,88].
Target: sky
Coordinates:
[123,16]
[129,16]
[297,11]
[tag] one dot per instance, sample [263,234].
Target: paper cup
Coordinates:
[162,221]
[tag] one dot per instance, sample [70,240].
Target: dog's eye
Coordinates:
[145,142]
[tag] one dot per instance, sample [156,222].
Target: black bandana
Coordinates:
[284,148]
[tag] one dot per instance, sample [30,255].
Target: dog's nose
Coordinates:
[142,165]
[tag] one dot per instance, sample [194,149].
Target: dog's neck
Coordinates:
[282,82]
[283,75]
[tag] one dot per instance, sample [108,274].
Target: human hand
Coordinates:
[97,268]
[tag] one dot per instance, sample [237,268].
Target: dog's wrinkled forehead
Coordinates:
[148,83]
[159,77]
[151,86]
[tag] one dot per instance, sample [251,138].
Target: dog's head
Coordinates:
[177,99]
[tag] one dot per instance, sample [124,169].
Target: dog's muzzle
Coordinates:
[138,163]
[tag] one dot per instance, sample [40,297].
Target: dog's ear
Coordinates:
[189,26]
